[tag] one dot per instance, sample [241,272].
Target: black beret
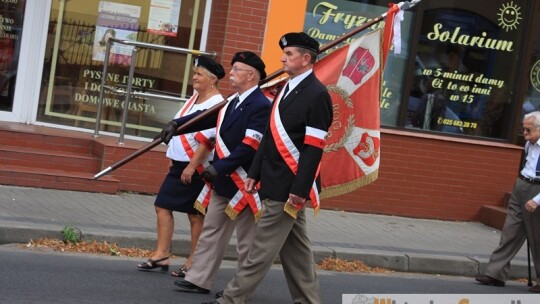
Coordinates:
[301,40]
[211,65]
[252,60]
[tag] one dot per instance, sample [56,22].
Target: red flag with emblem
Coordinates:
[352,75]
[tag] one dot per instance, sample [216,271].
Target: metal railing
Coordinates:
[128,91]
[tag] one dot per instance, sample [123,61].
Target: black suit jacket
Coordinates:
[308,104]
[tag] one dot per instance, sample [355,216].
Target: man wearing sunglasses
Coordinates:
[522,219]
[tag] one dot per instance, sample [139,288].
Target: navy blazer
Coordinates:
[308,105]
[253,113]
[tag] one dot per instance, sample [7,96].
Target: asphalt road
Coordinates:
[42,276]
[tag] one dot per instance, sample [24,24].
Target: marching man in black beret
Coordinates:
[286,165]
[239,127]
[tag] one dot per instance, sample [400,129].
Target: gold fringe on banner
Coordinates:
[349,186]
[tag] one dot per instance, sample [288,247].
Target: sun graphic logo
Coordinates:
[509,16]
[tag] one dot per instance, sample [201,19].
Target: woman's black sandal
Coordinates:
[153,264]
[180,273]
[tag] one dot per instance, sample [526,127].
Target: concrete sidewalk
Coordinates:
[398,243]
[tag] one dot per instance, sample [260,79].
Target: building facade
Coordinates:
[451,106]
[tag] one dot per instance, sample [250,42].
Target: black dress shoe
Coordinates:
[219,294]
[213,302]
[535,288]
[187,286]
[487,280]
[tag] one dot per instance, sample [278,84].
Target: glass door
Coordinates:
[11,25]
[21,47]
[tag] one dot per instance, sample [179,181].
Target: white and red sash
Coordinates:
[190,145]
[242,198]
[291,155]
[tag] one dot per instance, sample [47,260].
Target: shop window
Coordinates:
[11,24]
[466,67]
[464,63]
[76,40]
[532,95]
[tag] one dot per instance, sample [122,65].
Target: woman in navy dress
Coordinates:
[189,154]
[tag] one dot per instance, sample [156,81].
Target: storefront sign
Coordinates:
[332,14]
[462,72]
[509,16]
[456,37]
[327,20]
[92,86]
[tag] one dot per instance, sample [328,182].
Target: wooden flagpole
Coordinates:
[402,5]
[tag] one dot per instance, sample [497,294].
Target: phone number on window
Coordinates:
[457,123]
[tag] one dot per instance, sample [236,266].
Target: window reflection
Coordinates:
[461,80]
[74,57]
